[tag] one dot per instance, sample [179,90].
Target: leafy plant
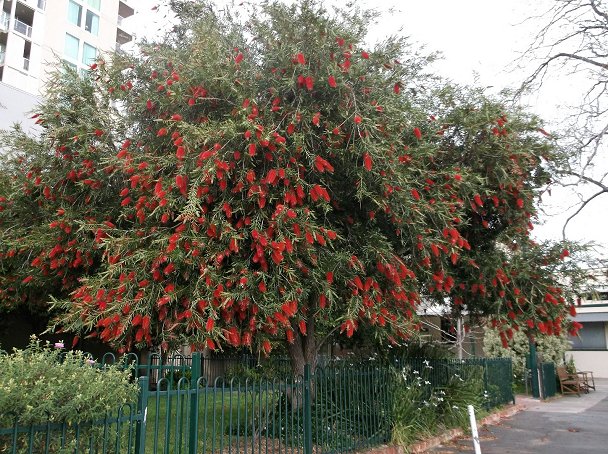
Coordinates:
[43,384]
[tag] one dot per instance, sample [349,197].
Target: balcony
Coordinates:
[5,19]
[124,10]
[23,28]
[122,37]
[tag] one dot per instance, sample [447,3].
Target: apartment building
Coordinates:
[590,348]
[36,34]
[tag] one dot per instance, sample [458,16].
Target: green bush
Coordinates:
[549,348]
[46,383]
[421,409]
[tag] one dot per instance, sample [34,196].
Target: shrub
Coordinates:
[549,348]
[421,409]
[46,383]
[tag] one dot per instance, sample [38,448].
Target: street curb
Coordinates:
[423,446]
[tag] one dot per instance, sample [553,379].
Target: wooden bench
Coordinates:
[570,383]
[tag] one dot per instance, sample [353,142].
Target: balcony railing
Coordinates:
[23,28]
[26,64]
[42,4]
[119,20]
[4,21]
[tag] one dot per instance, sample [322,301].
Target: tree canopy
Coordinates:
[271,177]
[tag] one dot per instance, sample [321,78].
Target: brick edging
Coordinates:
[448,435]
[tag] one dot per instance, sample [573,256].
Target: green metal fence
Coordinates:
[548,380]
[337,408]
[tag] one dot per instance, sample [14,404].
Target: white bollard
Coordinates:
[474,429]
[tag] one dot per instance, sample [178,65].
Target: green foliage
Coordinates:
[421,410]
[42,383]
[549,349]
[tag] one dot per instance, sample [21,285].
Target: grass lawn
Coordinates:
[227,421]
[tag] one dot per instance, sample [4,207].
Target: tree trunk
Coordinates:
[303,350]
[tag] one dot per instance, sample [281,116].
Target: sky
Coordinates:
[482,43]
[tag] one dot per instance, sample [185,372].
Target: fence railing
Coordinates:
[186,406]
[22,28]
[4,21]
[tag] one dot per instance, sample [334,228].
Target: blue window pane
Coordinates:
[71,46]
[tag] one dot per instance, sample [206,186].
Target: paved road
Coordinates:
[566,425]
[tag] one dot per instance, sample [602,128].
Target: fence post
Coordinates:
[534,369]
[195,371]
[307,411]
[142,410]
[486,384]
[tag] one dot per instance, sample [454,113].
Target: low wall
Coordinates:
[594,360]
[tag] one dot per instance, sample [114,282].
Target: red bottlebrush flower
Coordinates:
[397,88]
[358,119]
[316,119]
[530,323]
[332,82]
[266,346]
[367,162]
[364,55]
[124,192]
[290,336]
[125,201]
[262,287]
[415,194]
[180,152]
[300,59]
[477,199]
[520,203]
[322,165]
[252,149]
[176,117]
[572,310]
[544,133]
[181,181]
[322,301]
[565,253]
[239,58]
[27,279]
[210,324]
[309,81]
[330,277]
[161,132]
[302,326]
[98,132]
[169,268]
[417,133]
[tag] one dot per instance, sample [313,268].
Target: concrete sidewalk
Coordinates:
[563,425]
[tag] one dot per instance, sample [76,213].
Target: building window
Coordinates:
[72,45]
[92,23]
[74,13]
[89,54]
[94,4]
[592,336]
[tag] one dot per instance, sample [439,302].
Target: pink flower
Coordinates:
[59,345]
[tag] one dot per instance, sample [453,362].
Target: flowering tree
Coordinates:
[243,183]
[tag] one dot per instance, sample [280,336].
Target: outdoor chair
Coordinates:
[570,383]
[587,378]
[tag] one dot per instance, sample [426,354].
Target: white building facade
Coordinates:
[36,35]
[590,347]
